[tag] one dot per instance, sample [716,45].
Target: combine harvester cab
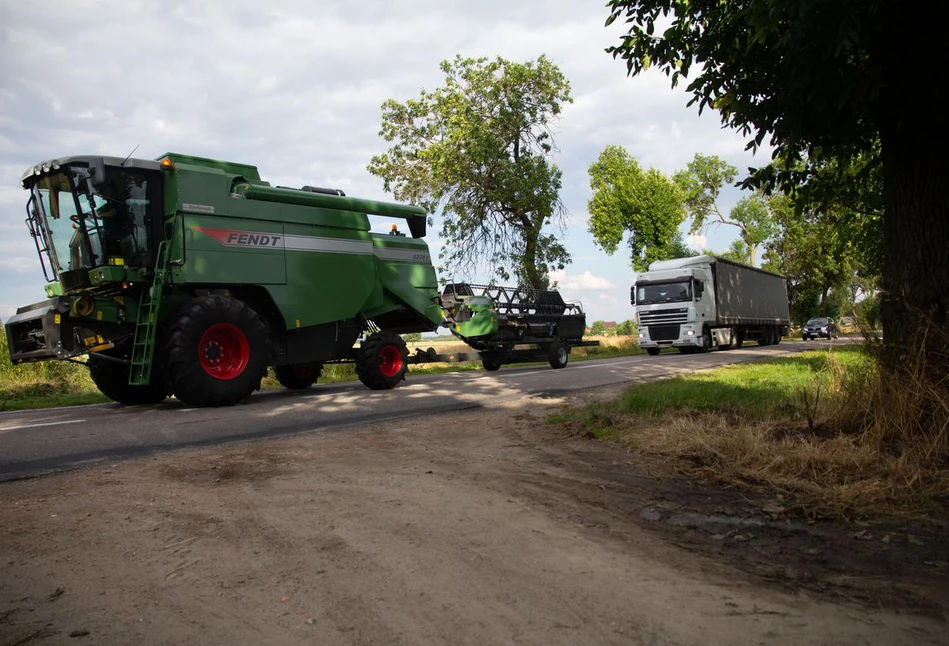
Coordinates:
[512,324]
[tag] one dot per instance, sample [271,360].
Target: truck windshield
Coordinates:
[79,226]
[664,292]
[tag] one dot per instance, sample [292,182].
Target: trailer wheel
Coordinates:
[217,351]
[298,377]
[112,380]
[654,351]
[739,338]
[491,361]
[382,360]
[766,336]
[558,354]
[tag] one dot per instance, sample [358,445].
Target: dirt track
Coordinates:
[482,528]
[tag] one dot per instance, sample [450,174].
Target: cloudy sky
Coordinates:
[295,88]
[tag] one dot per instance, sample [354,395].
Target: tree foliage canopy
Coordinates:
[478,149]
[826,81]
[645,206]
[702,183]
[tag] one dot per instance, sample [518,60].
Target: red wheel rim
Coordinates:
[223,351]
[390,361]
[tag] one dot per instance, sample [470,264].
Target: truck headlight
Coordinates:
[690,332]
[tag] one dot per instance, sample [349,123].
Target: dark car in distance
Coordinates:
[819,328]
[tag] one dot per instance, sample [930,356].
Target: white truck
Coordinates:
[704,302]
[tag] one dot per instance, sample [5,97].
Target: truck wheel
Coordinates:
[777,336]
[706,340]
[558,354]
[298,377]
[739,338]
[653,351]
[217,351]
[491,361]
[381,361]
[112,380]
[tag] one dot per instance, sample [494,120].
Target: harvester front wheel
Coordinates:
[382,360]
[558,354]
[112,380]
[217,351]
[298,377]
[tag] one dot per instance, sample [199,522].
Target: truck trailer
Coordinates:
[190,276]
[704,302]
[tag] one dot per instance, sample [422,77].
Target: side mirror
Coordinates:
[417,225]
[698,289]
[632,295]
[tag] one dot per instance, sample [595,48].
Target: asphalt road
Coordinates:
[44,441]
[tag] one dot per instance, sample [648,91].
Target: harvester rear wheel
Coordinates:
[558,354]
[491,361]
[382,360]
[217,351]
[112,380]
[298,377]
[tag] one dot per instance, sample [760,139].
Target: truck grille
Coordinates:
[663,332]
[664,317]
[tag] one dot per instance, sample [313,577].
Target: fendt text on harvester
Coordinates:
[188,276]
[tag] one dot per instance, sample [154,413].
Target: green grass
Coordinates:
[827,432]
[758,389]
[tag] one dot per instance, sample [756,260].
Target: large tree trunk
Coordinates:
[914,136]
[916,240]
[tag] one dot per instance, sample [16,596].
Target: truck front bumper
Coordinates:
[686,336]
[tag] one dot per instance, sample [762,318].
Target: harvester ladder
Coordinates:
[143,348]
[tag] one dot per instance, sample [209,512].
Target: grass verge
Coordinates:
[825,432]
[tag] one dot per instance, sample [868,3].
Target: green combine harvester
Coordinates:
[188,276]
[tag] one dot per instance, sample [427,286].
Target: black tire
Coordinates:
[739,338]
[112,380]
[382,360]
[765,336]
[558,354]
[706,340]
[217,351]
[776,336]
[653,351]
[298,377]
[491,361]
[804,337]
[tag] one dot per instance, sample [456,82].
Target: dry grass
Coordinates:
[855,443]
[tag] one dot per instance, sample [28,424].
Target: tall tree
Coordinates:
[478,149]
[817,254]
[825,79]
[702,182]
[644,206]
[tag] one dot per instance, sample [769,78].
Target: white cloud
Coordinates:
[696,241]
[580,282]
